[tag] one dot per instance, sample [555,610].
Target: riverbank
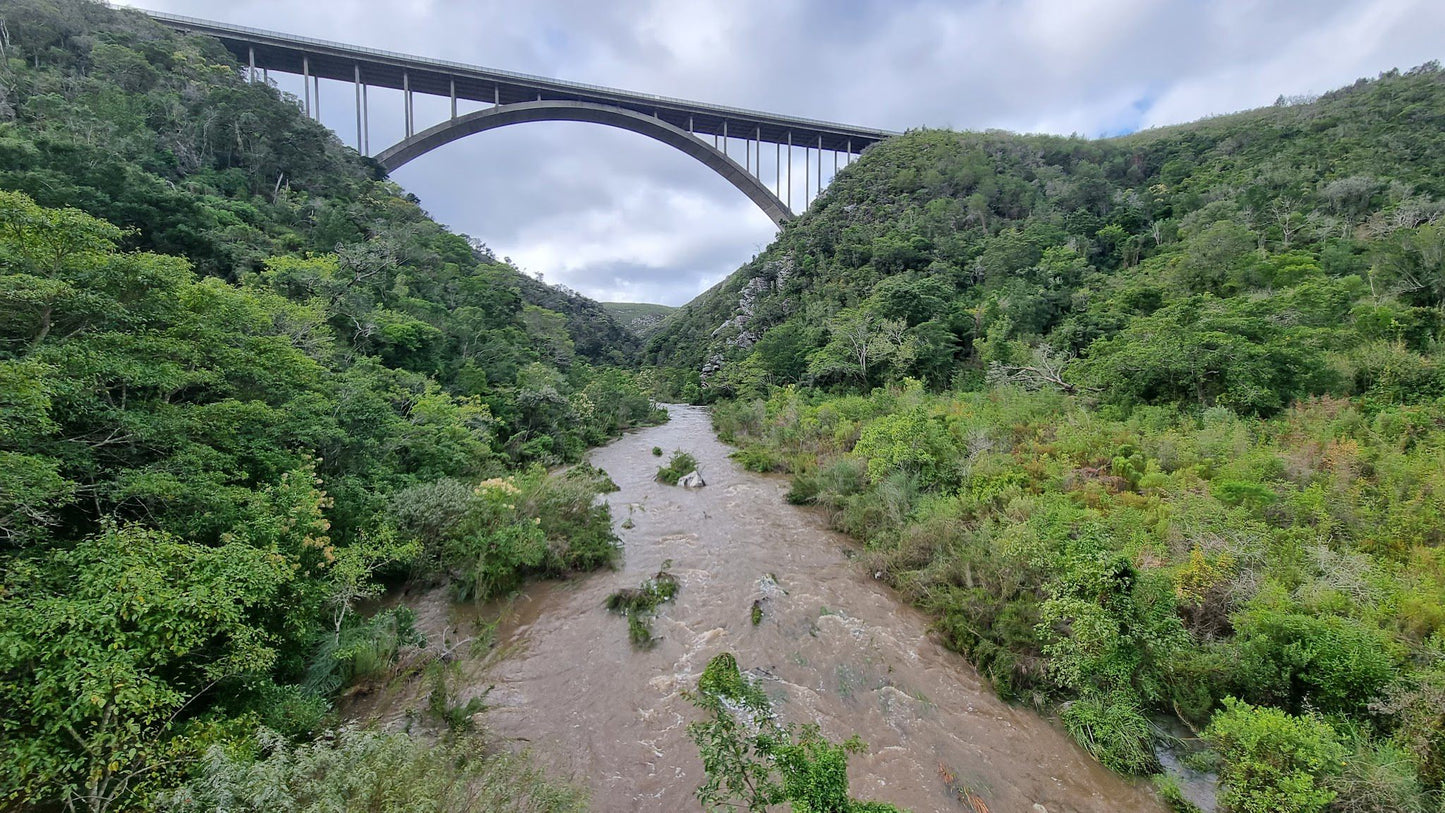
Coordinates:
[833,646]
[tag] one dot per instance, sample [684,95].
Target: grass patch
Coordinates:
[640,604]
[678,465]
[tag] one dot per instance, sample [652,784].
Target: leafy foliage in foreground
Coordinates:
[753,762]
[233,363]
[1273,760]
[356,770]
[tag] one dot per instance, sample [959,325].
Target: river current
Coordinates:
[834,647]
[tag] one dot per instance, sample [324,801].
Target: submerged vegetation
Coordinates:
[639,605]
[678,466]
[753,762]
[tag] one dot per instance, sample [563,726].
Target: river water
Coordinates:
[834,647]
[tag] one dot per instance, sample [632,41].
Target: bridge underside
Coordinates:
[523,112]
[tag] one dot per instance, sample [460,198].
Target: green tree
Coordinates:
[104,646]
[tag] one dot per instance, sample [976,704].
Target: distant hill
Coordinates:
[639,317]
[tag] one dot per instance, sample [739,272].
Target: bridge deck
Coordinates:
[332,60]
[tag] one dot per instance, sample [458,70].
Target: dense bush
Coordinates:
[1154,561]
[356,770]
[1273,761]
[227,348]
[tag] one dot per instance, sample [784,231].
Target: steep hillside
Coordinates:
[243,381]
[1152,426]
[950,251]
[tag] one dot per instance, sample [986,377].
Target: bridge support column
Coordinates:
[453,83]
[365,122]
[725,138]
[790,169]
[496,95]
[358,108]
[758,152]
[252,51]
[406,101]
[306,82]
[820,167]
[317,80]
[778,169]
[807,175]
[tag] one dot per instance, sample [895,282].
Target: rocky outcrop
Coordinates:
[743,329]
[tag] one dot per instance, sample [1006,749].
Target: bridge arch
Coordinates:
[650,126]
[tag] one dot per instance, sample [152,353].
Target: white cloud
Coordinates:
[617,215]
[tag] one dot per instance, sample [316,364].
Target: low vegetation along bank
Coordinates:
[1122,566]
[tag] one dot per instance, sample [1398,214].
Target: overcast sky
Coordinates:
[620,217]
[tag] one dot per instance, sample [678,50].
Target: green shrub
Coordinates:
[1114,731]
[355,769]
[758,458]
[487,539]
[1293,660]
[577,526]
[1273,762]
[293,711]
[910,443]
[680,464]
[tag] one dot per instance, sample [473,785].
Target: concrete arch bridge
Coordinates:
[711,134]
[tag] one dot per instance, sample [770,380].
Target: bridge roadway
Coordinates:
[518,97]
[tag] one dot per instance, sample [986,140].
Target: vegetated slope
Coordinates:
[242,379]
[1151,425]
[597,333]
[980,243]
[639,317]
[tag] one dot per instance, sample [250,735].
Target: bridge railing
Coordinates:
[240,31]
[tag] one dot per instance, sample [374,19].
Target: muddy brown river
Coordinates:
[834,647]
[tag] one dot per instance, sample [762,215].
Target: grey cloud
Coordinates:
[617,216]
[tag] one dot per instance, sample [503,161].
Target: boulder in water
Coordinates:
[691,480]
